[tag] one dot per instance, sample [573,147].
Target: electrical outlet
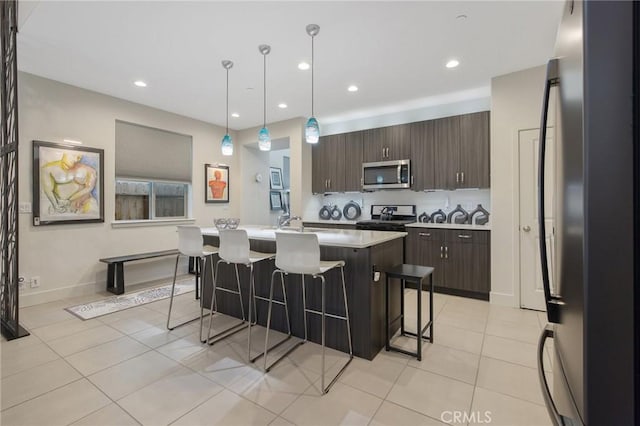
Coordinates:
[35,282]
[24,207]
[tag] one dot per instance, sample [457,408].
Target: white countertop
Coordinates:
[486,227]
[350,238]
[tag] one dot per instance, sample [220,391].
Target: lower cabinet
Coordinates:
[460,258]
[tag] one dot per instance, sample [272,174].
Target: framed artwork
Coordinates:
[216,183]
[275,175]
[68,184]
[275,198]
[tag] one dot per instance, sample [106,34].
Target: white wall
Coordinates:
[516,102]
[256,207]
[66,256]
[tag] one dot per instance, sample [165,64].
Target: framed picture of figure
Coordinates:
[68,184]
[216,185]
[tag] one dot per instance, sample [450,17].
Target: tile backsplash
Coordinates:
[425,201]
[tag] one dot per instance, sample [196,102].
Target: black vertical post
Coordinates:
[9,307]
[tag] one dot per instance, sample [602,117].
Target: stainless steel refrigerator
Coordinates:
[593,306]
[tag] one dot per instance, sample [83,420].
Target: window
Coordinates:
[149,200]
[153,173]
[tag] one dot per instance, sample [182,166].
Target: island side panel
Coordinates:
[384,256]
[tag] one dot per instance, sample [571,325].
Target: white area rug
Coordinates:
[126,301]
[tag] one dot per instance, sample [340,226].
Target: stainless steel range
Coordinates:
[389,217]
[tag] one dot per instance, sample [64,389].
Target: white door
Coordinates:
[531,291]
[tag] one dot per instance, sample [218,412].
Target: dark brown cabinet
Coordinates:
[422,155]
[447,153]
[353,161]
[387,143]
[460,258]
[474,150]
[337,163]
[451,152]
[328,165]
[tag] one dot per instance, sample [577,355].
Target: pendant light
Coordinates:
[312,130]
[264,138]
[227,143]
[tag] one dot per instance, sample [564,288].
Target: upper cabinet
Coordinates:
[451,152]
[387,143]
[474,150]
[422,155]
[353,161]
[447,153]
[337,163]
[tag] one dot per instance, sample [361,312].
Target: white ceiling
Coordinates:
[394,51]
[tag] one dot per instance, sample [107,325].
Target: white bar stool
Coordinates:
[299,253]
[235,249]
[191,244]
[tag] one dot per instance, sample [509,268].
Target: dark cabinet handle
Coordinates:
[551,406]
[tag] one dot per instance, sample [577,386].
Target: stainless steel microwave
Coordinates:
[386,175]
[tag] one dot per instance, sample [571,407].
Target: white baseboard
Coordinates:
[46,296]
[504,299]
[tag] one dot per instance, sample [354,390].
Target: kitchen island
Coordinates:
[364,252]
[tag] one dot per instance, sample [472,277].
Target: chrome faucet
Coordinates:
[285,220]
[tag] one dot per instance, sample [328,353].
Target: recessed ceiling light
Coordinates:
[282,105]
[452,63]
[249,88]
[303,66]
[140,83]
[461,17]
[352,88]
[235,115]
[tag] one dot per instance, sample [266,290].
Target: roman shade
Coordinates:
[152,154]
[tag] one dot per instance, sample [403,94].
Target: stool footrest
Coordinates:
[266,299]
[311,311]
[227,290]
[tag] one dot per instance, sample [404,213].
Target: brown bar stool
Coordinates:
[416,274]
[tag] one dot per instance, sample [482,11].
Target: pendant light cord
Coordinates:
[264,86]
[313,64]
[227,100]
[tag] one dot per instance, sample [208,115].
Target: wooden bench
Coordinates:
[115,271]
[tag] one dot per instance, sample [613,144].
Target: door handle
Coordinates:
[457,177]
[552,302]
[465,236]
[461,177]
[441,252]
[526,228]
[425,234]
[446,252]
[551,406]
[411,179]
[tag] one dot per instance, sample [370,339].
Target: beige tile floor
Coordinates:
[126,369]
